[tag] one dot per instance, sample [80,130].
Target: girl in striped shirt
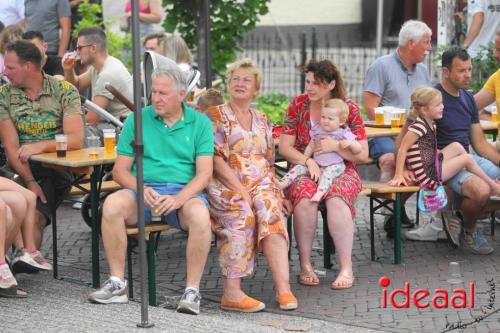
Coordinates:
[418,149]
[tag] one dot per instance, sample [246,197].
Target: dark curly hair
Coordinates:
[325,72]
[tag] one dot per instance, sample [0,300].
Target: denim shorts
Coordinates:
[381,146]
[166,189]
[491,169]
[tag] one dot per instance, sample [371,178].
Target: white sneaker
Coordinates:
[77,205]
[427,231]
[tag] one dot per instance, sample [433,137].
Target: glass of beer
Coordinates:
[401,118]
[109,140]
[93,146]
[61,145]
[395,120]
[71,57]
[379,118]
[155,217]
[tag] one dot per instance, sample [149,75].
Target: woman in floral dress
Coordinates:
[245,200]
[323,81]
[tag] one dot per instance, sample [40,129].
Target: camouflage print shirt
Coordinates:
[42,118]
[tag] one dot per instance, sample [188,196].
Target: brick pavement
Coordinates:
[425,265]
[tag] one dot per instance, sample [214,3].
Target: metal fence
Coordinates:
[281,58]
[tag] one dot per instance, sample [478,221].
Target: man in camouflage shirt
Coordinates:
[34,107]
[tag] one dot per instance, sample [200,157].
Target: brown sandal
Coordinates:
[13,292]
[308,278]
[349,279]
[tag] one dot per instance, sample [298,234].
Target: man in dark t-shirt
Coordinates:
[460,123]
[51,63]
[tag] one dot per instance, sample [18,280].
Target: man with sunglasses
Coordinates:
[91,49]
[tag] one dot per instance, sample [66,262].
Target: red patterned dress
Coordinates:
[298,123]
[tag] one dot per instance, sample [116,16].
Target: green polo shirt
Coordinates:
[169,153]
[41,118]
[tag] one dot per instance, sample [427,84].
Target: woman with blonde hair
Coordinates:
[418,149]
[175,48]
[245,200]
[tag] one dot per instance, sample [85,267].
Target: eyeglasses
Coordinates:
[80,47]
[246,81]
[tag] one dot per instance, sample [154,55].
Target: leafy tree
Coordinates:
[230,20]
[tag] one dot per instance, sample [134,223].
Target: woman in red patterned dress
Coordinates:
[323,81]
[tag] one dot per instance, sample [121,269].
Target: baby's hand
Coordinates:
[344,144]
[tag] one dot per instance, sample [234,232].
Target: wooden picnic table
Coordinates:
[79,162]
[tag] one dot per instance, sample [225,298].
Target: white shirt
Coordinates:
[11,11]
[491,10]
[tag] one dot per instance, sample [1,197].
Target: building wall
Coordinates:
[316,12]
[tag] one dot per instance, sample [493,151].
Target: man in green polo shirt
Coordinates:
[34,107]
[178,151]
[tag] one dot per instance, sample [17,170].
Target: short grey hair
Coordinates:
[172,72]
[413,30]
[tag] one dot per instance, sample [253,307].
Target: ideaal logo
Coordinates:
[423,298]
[441,299]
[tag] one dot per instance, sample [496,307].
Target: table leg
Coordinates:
[94,206]
[397,229]
[54,244]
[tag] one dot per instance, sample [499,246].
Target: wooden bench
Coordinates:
[384,195]
[152,235]
[106,186]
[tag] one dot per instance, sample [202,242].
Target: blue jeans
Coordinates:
[166,189]
[381,146]
[491,169]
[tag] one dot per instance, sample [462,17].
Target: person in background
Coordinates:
[175,48]
[483,18]
[150,14]
[9,34]
[12,12]
[490,93]
[389,81]
[152,41]
[103,69]
[53,19]
[245,201]
[51,63]
[210,97]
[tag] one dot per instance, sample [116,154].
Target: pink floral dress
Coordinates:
[239,228]
[298,123]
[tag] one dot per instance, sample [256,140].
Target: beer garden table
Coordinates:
[79,162]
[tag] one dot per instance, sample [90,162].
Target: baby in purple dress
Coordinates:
[333,117]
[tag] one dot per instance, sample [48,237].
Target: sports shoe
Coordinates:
[475,243]
[40,261]
[452,225]
[22,262]
[7,280]
[427,231]
[190,302]
[113,291]
[405,223]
